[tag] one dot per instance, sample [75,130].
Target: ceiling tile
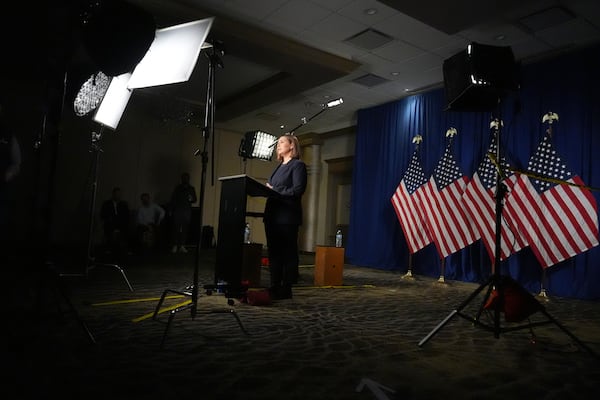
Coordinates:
[414,32]
[298,15]
[397,51]
[369,39]
[336,27]
[357,10]
[333,5]
[497,34]
[574,31]
[422,62]
[370,80]
[260,8]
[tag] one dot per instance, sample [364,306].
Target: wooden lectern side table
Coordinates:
[329,266]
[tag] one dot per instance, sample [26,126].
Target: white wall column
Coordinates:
[308,232]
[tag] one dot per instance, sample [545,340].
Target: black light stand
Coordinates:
[50,281]
[214,60]
[91,263]
[502,286]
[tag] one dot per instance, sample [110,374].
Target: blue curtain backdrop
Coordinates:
[568,85]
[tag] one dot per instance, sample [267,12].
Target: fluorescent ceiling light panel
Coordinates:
[114,102]
[172,55]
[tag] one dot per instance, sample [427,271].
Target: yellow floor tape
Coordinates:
[108,303]
[334,287]
[162,310]
[184,303]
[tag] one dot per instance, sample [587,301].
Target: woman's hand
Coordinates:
[269,185]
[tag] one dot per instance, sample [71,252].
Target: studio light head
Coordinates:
[257,144]
[477,77]
[164,57]
[334,103]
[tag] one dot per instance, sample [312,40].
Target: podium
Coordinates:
[235,191]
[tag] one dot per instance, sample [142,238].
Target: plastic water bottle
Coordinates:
[247,233]
[338,238]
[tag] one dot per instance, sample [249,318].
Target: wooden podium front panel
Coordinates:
[329,266]
[231,249]
[251,267]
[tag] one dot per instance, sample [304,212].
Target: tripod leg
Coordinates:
[59,287]
[116,266]
[81,321]
[453,313]
[171,316]
[481,308]
[159,305]
[239,321]
[568,333]
[437,328]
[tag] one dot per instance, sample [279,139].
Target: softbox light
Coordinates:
[476,78]
[257,144]
[115,101]
[172,55]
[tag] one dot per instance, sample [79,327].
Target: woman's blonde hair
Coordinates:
[292,139]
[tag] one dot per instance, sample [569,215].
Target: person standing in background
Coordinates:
[182,198]
[283,216]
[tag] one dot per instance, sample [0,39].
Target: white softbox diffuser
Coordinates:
[172,55]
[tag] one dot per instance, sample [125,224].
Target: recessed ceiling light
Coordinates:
[500,37]
[281,126]
[395,73]
[370,11]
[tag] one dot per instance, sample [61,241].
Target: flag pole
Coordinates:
[495,294]
[543,294]
[442,278]
[409,274]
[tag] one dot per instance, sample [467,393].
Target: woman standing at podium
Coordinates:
[283,216]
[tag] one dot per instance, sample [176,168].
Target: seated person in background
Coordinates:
[148,219]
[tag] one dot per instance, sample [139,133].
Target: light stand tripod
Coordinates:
[49,281]
[90,258]
[213,61]
[502,286]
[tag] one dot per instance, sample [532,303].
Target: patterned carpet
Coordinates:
[359,340]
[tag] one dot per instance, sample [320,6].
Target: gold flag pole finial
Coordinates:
[549,117]
[451,132]
[496,123]
[417,139]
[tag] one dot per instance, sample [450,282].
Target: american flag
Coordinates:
[405,201]
[443,209]
[556,214]
[480,204]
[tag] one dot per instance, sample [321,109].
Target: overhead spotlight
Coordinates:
[335,103]
[257,144]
